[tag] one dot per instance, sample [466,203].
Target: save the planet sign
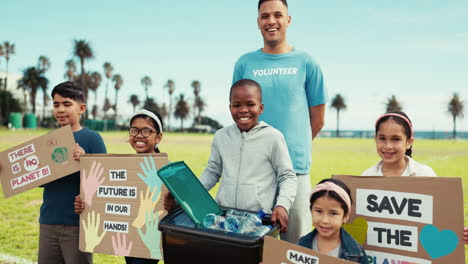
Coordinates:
[407,220]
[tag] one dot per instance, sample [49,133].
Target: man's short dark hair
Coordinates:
[69,90]
[246,82]
[260,2]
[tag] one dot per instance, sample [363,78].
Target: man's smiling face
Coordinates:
[273,21]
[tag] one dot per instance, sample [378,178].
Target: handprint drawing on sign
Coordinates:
[120,246]
[151,177]
[152,237]
[147,204]
[91,229]
[91,182]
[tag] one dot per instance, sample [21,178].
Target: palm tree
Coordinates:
[455,108]
[170,85]
[118,82]
[43,64]
[7,51]
[107,105]
[146,82]
[94,111]
[196,91]
[151,105]
[134,101]
[1,51]
[71,69]
[83,51]
[181,110]
[93,82]
[108,68]
[196,87]
[393,105]
[163,111]
[32,80]
[24,88]
[339,104]
[200,105]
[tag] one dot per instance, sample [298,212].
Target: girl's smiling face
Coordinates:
[141,142]
[328,217]
[392,143]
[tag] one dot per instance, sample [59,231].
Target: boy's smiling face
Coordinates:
[68,111]
[245,106]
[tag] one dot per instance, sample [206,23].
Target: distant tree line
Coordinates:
[454,108]
[34,79]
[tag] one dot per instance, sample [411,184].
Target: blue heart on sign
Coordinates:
[438,243]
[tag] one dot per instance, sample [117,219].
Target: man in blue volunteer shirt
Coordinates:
[294,97]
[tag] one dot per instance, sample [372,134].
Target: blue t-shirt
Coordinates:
[59,195]
[291,83]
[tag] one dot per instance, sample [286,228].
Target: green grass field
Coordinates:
[19,214]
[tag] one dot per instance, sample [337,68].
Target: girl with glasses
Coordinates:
[145,133]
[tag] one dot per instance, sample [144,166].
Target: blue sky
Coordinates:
[368,50]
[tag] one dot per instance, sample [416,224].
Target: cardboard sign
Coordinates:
[38,161]
[407,219]
[281,252]
[123,204]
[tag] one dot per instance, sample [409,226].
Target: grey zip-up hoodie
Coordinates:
[256,170]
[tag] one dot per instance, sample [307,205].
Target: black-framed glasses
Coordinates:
[145,132]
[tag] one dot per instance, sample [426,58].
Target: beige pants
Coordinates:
[299,218]
[58,244]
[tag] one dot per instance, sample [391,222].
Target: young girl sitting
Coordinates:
[394,141]
[145,133]
[330,205]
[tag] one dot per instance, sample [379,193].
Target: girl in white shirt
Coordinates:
[394,141]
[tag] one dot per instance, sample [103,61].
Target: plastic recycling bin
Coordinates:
[185,242]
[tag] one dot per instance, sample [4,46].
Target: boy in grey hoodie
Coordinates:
[252,159]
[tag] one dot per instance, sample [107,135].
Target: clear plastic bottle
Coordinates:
[252,222]
[241,216]
[213,221]
[231,224]
[263,230]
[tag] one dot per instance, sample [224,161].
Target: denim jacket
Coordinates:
[350,249]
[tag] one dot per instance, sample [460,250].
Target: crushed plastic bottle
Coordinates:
[213,221]
[252,222]
[231,224]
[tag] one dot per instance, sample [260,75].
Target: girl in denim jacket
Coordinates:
[330,205]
